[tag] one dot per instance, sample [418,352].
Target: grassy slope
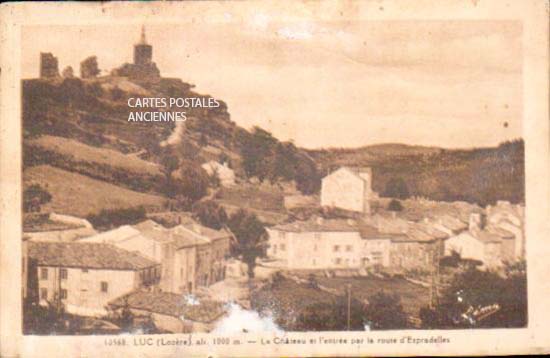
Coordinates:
[82,152]
[80,195]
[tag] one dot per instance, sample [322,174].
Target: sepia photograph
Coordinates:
[241,172]
[342,199]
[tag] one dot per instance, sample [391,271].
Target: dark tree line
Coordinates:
[268,159]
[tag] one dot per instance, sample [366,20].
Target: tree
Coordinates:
[395,205]
[251,238]
[192,182]
[34,196]
[111,218]
[396,188]
[385,312]
[169,164]
[210,214]
[332,316]
[472,292]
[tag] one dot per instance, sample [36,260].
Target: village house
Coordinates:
[355,244]
[84,277]
[225,174]
[171,312]
[511,218]
[191,254]
[348,188]
[490,245]
[211,258]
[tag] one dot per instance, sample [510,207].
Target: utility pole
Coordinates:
[349,305]
[434,275]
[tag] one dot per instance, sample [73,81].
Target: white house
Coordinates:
[224,173]
[84,277]
[327,244]
[348,188]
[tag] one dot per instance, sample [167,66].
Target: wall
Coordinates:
[184,270]
[220,251]
[375,252]
[84,294]
[343,189]
[309,250]
[411,255]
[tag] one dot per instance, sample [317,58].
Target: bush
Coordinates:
[108,219]
[34,197]
[395,205]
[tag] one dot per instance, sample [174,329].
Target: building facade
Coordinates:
[348,188]
[84,277]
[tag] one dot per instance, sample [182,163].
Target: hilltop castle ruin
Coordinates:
[143,69]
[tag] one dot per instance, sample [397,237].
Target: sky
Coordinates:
[320,83]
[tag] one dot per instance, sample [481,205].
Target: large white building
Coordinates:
[348,188]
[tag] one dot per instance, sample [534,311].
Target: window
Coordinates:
[43,293]
[43,273]
[63,294]
[336,248]
[338,261]
[349,248]
[63,274]
[282,247]
[84,270]
[104,286]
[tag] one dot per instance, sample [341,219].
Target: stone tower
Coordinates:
[48,65]
[143,52]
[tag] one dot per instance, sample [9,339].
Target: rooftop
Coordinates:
[319,225]
[180,235]
[86,255]
[171,304]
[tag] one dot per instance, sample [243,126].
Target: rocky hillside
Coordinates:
[81,126]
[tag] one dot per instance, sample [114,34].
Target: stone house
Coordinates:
[486,243]
[420,248]
[351,244]
[348,188]
[172,312]
[212,257]
[191,255]
[84,277]
[511,218]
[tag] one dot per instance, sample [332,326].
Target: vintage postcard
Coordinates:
[266,178]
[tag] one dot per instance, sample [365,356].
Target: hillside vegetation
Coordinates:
[81,127]
[480,175]
[79,195]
